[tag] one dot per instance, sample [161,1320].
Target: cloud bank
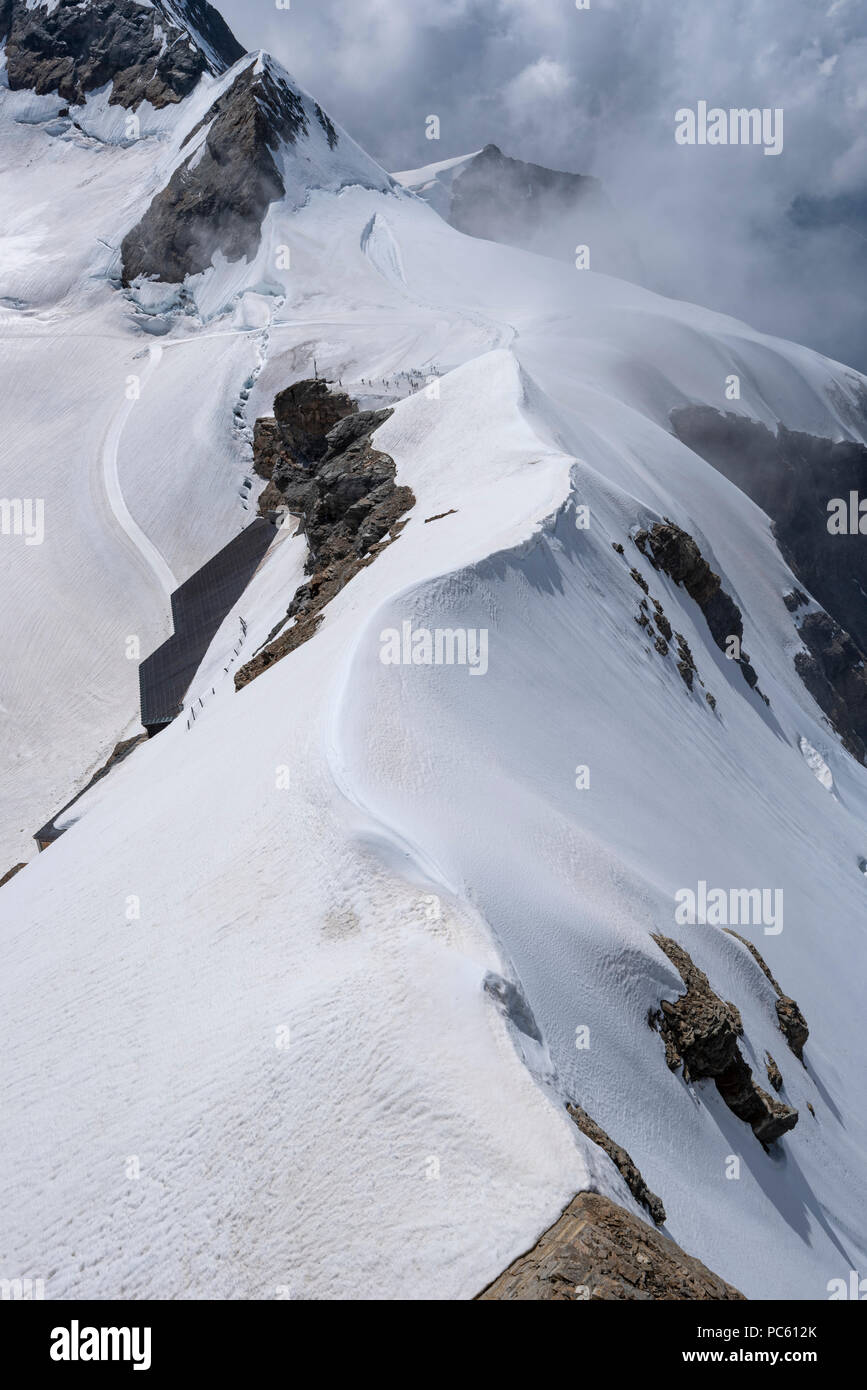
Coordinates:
[780,242]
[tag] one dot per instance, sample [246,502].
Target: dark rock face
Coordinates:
[675,552]
[491,195]
[327,125]
[687,669]
[686,662]
[792,1023]
[775,1076]
[78,47]
[296,438]
[792,476]
[318,456]
[219,204]
[621,1160]
[795,600]
[833,670]
[539,209]
[596,1252]
[701,1031]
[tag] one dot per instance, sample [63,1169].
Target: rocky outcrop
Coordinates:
[155,52]
[499,198]
[322,466]
[795,599]
[622,1161]
[700,1032]
[673,550]
[792,476]
[328,126]
[597,1252]
[216,199]
[792,1023]
[296,438]
[492,196]
[775,1076]
[833,670]
[663,633]
[11,874]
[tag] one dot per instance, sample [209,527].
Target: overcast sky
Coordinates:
[780,241]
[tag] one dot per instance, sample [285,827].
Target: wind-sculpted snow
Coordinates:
[267,1058]
[572,882]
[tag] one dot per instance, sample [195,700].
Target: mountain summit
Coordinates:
[263,140]
[155,52]
[492,196]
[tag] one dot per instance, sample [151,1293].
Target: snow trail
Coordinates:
[152,557]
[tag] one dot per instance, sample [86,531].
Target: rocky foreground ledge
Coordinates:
[599,1251]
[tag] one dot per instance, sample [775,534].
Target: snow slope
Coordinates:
[433,182]
[249,1052]
[137,449]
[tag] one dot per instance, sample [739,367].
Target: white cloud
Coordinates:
[542,81]
[595,91]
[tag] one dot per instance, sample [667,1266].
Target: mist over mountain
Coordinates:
[567,216]
[596,92]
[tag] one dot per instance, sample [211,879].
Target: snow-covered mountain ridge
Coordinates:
[256,962]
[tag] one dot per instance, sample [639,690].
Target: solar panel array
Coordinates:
[198,608]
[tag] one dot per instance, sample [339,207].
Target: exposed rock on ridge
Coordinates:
[491,195]
[296,437]
[629,1170]
[792,1023]
[701,1031]
[792,476]
[216,199]
[323,467]
[674,551]
[833,670]
[142,50]
[597,1252]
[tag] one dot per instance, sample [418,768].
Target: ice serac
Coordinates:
[155,52]
[262,141]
